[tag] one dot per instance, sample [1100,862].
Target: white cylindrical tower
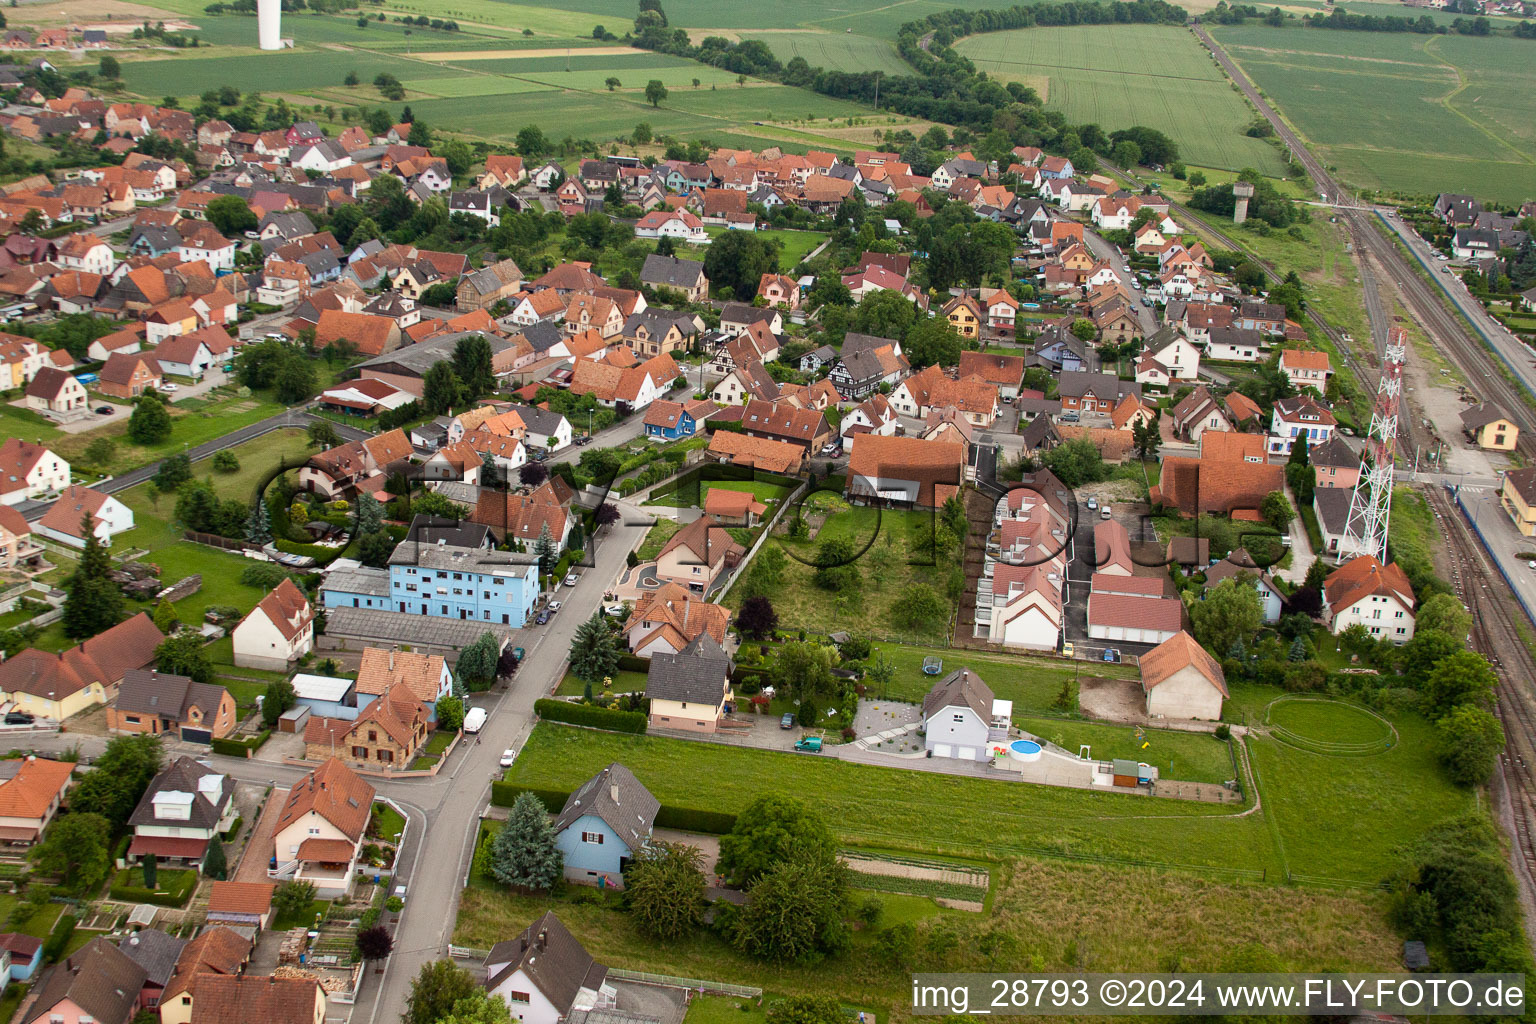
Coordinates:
[269,23]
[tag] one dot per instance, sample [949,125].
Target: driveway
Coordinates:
[214,378]
[259,849]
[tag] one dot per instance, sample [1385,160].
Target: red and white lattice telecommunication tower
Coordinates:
[1370,506]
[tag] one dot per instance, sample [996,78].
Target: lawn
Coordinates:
[624,681]
[387,823]
[918,812]
[304,919]
[1403,112]
[38,925]
[1101,75]
[694,497]
[1184,756]
[888,564]
[656,538]
[1032,682]
[193,423]
[1053,916]
[794,246]
[1327,721]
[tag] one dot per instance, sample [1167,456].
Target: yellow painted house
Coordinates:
[964,315]
[1489,428]
[1518,496]
[60,685]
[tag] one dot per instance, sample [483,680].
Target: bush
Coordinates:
[63,931]
[240,748]
[591,717]
[634,663]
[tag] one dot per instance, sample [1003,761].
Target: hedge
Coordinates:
[588,715]
[634,663]
[687,819]
[63,931]
[184,881]
[240,748]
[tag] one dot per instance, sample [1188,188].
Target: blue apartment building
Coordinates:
[444,581]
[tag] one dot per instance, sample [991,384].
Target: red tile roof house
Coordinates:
[56,391]
[62,521]
[29,471]
[60,685]
[278,631]
[697,555]
[241,904]
[320,829]
[31,790]
[904,471]
[1132,609]
[127,375]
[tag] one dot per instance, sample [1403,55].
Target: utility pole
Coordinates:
[877,90]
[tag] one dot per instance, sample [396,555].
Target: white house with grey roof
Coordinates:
[689,690]
[962,718]
[603,825]
[545,974]
[178,815]
[686,276]
[543,424]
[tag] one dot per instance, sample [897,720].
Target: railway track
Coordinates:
[1495,635]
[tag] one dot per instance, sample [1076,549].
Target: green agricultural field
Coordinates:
[189,75]
[1108,75]
[1407,113]
[835,51]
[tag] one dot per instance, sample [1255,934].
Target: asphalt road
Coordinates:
[1111,255]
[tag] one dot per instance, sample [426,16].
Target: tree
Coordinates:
[531,141]
[374,943]
[472,362]
[479,1008]
[1299,452]
[836,565]
[292,899]
[612,83]
[92,602]
[1468,741]
[757,619]
[441,388]
[1317,574]
[231,216]
[100,452]
[184,655]
[419,135]
[226,462]
[374,549]
[1444,613]
[607,514]
[1083,329]
[532,474]
[767,832]
[544,548]
[150,422]
[1422,655]
[322,434]
[215,864]
[370,514]
[109,67]
[1230,612]
[523,854]
[655,92]
[795,911]
[919,605]
[477,662]
[1277,511]
[1146,439]
[1076,463]
[1463,678]
[75,849]
[932,341]
[642,134]
[450,713]
[174,471]
[436,989]
[594,649]
[806,1010]
[664,888]
[295,380]
[280,697]
[151,866]
[118,779]
[885,314]
[737,260]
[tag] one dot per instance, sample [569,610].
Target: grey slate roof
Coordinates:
[460,533]
[961,687]
[170,696]
[155,951]
[361,580]
[696,675]
[1481,415]
[671,272]
[855,342]
[183,775]
[745,313]
[1104,385]
[289,225]
[551,958]
[100,979]
[1334,452]
[1332,507]
[659,321]
[618,798]
[539,421]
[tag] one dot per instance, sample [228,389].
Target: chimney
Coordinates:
[542,940]
[391,660]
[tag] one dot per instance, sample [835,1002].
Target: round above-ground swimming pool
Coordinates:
[1024,750]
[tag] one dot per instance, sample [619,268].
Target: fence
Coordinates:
[468,953]
[213,540]
[719,988]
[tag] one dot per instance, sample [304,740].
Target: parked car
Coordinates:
[584,439]
[832,450]
[19,718]
[170,386]
[1112,654]
[554,606]
[543,617]
[810,744]
[1093,504]
[507,757]
[572,578]
[104,410]
[1104,512]
[788,721]
[1068,649]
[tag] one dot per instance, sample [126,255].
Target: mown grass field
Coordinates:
[1409,113]
[835,51]
[1032,682]
[1103,75]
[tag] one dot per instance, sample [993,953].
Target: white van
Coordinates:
[475,720]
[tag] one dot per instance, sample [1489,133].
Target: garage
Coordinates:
[942,750]
[967,754]
[191,735]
